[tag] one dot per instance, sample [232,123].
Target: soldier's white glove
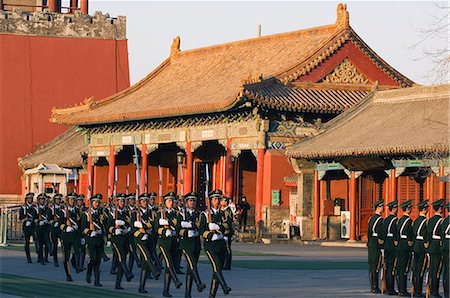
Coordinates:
[108,243]
[225,238]
[41,223]
[75,227]
[28,223]
[186,224]
[192,233]
[138,224]
[93,234]
[82,241]
[213,226]
[215,237]
[145,237]
[118,232]
[55,225]
[170,233]
[127,230]
[163,222]
[99,232]
[45,221]
[119,222]
[69,229]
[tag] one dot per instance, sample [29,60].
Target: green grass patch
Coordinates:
[33,287]
[298,265]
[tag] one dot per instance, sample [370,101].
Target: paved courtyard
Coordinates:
[276,270]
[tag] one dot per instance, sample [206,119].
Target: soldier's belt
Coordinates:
[374,234]
[437,237]
[447,236]
[419,238]
[403,236]
[390,235]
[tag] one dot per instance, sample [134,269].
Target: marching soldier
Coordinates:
[445,232]
[390,246]
[212,228]
[178,206]
[153,211]
[70,234]
[43,214]
[80,210]
[228,233]
[167,220]
[188,229]
[404,248]
[119,227]
[142,232]
[54,225]
[131,246]
[91,225]
[28,215]
[420,245]
[375,243]
[435,239]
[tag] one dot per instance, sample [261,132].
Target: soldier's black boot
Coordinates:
[27,252]
[131,262]
[187,293]
[214,287]
[200,286]
[46,254]
[142,281]
[119,279]
[167,279]
[153,270]
[129,276]
[390,285]
[114,264]
[82,257]
[89,272]
[402,286]
[417,287]
[73,261]
[97,275]
[157,261]
[66,268]
[105,257]
[78,267]
[177,282]
[226,289]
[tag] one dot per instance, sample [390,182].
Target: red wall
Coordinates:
[38,73]
[276,167]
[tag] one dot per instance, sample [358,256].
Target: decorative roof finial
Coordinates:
[343,19]
[175,46]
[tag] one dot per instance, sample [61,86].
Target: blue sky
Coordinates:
[389,28]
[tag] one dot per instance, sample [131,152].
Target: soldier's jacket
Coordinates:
[56,215]
[147,225]
[42,213]
[27,213]
[228,221]
[80,211]
[217,216]
[389,232]
[97,219]
[186,243]
[171,217]
[74,221]
[153,214]
[419,234]
[122,214]
[404,233]
[434,234]
[375,232]
[445,233]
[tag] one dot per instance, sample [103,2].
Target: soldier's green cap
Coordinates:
[80,197]
[57,196]
[217,193]
[393,204]
[379,203]
[447,206]
[121,196]
[144,196]
[422,204]
[131,196]
[97,197]
[42,196]
[152,195]
[439,202]
[72,195]
[29,195]
[170,196]
[406,204]
[192,196]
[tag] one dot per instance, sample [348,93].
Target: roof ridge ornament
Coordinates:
[175,49]
[342,16]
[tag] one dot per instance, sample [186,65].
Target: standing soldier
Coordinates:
[91,225]
[404,248]
[43,214]
[375,243]
[445,232]
[54,225]
[119,227]
[390,246]
[435,250]
[70,234]
[167,220]
[188,229]
[28,215]
[420,245]
[212,228]
[228,233]
[142,232]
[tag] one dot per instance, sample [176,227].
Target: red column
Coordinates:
[259,188]
[213,176]
[393,190]
[441,184]
[352,206]
[188,173]
[228,171]
[73,5]
[144,168]
[84,7]
[387,197]
[51,5]
[112,164]
[90,178]
[316,206]
[431,194]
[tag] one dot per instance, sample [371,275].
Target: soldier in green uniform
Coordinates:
[167,221]
[131,246]
[212,228]
[28,215]
[435,250]
[80,210]
[119,227]
[69,224]
[404,248]
[445,233]
[142,232]
[228,233]
[188,230]
[54,225]
[43,215]
[374,244]
[91,226]
[153,211]
[390,246]
[420,245]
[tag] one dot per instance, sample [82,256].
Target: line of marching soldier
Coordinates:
[133,227]
[397,246]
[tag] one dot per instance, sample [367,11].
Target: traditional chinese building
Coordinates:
[231,109]
[393,145]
